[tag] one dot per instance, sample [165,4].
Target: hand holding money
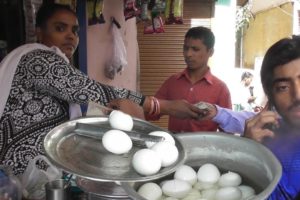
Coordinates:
[208,110]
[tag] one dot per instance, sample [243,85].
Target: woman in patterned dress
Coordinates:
[38,84]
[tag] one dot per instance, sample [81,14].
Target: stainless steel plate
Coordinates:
[86,157]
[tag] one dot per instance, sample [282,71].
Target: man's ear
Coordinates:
[211,51]
[38,33]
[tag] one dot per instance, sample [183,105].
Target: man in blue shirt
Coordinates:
[280,75]
[278,126]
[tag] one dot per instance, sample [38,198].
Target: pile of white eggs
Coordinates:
[205,184]
[146,161]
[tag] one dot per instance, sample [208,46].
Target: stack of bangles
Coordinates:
[154,107]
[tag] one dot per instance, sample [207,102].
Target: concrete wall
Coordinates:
[99,47]
[265,29]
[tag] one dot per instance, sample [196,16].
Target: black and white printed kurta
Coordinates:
[43,86]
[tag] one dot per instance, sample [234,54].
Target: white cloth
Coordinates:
[9,65]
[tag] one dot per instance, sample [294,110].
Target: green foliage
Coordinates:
[243,16]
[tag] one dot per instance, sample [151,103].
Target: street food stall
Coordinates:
[105,175]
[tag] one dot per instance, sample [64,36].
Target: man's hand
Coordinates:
[127,106]
[182,109]
[261,125]
[251,99]
[208,110]
[178,108]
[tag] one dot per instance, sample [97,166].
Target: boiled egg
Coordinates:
[247,191]
[193,195]
[209,193]
[228,193]
[167,138]
[150,191]
[167,152]
[230,179]
[204,186]
[208,173]
[146,162]
[116,141]
[120,120]
[169,198]
[176,188]
[186,173]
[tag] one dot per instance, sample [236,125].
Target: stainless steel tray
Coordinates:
[86,157]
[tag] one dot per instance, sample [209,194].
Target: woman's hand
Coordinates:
[127,106]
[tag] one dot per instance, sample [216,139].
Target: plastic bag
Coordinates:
[155,26]
[130,9]
[95,12]
[34,179]
[119,56]
[144,11]
[174,12]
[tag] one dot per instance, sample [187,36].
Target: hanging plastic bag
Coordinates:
[148,27]
[130,9]
[119,55]
[155,25]
[174,11]
[144,15]
[95,12]
[34,179]
[160,6]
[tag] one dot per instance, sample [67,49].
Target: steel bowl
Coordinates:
[256,164]
[87,158]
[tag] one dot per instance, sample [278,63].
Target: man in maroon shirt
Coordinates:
[195,83]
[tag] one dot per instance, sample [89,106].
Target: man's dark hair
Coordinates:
[280,53]
[202,33]
[246,75]
[47,10]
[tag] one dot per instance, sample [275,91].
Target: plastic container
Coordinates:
[57,190]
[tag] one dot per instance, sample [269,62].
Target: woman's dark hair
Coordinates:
[47,10]
[202,33]
[280,53]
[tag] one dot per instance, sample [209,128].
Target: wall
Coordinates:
[266,28]
[99,47]
[223,26]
